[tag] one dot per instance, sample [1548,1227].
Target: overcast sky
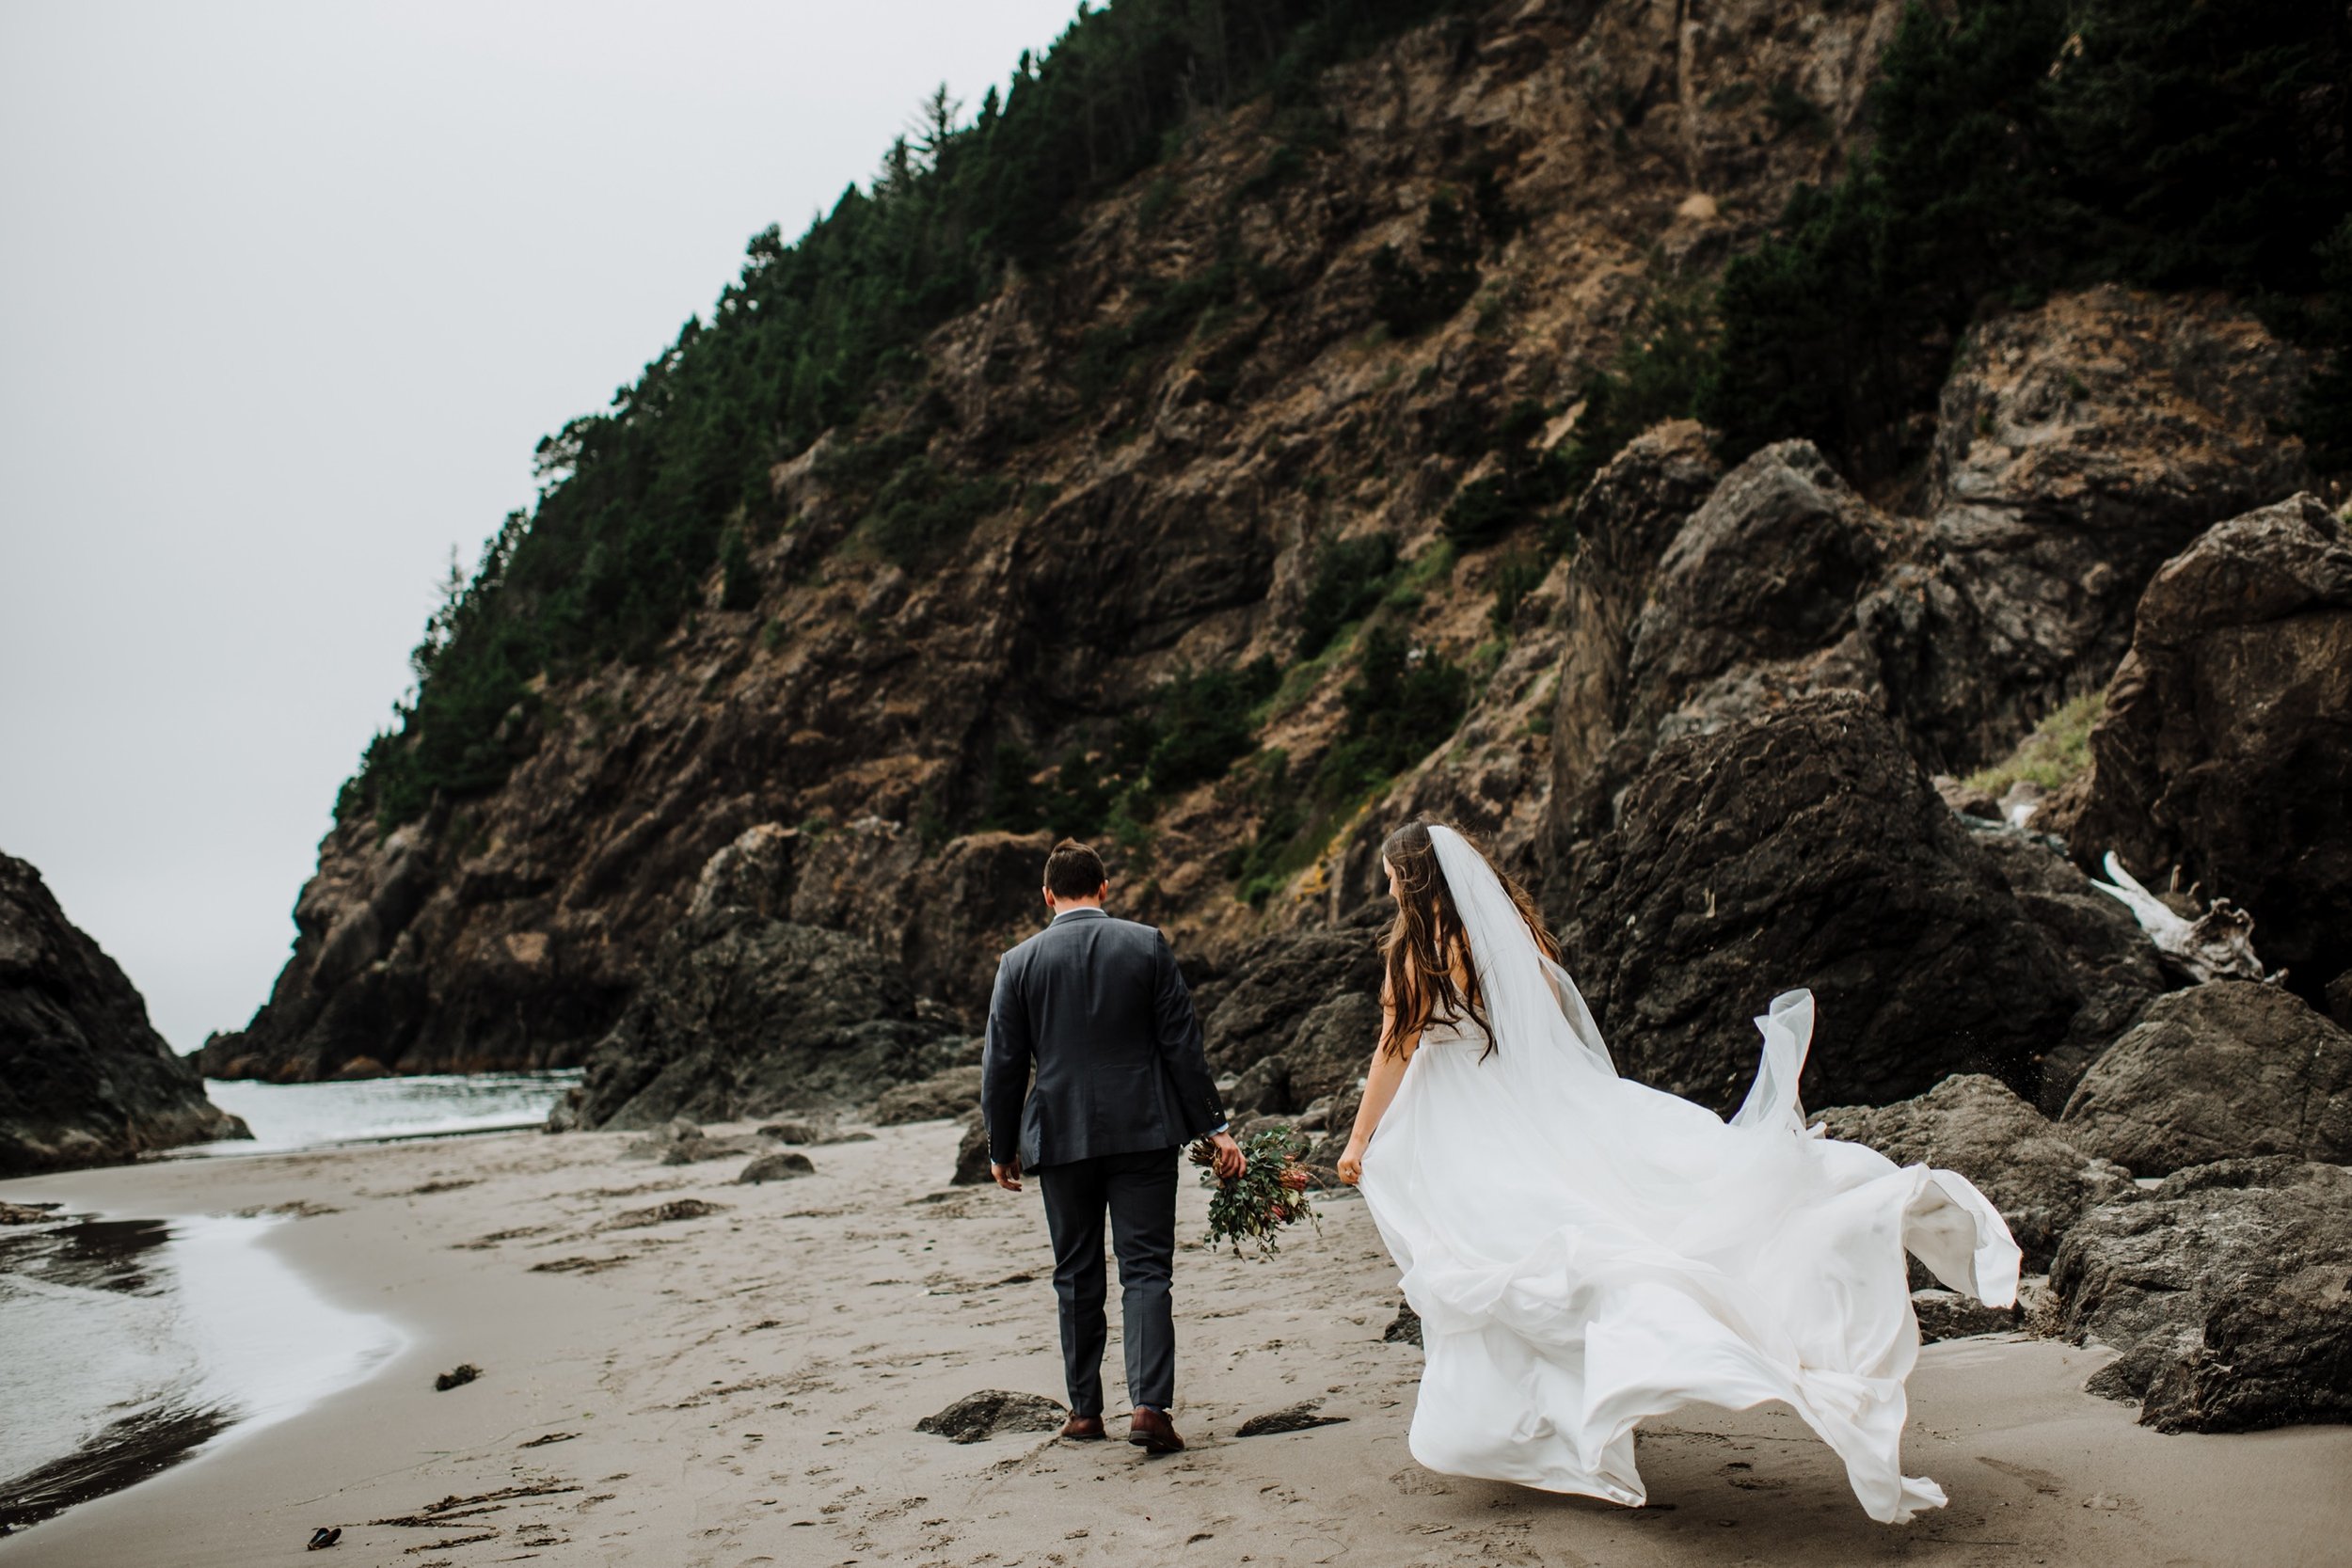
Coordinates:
[288,293]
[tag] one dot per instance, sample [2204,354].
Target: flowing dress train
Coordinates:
[1585,1251]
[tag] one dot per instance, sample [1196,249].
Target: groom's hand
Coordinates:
[1008,1176]
[1231,1161]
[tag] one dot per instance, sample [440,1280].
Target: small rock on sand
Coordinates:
[972,1157]
[780,1166]
[1405,1330]
[1295,1417]
[976,1416]
[813,1132]
[456,1377]
[661,1213]
[1949,1315]
[680,1142]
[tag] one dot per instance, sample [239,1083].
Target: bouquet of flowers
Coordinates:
[1269,1195]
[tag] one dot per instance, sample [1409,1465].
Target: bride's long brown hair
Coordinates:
[1427,946]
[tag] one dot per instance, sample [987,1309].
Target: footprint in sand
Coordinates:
[1741,1475]
[2043,1482]
[1416,1482]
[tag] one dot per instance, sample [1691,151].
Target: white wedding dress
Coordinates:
[1585,1251]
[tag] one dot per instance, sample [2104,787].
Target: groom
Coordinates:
[1096,1004]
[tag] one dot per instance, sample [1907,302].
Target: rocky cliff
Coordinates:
[1179,482]
[84,1078]
[1240,532]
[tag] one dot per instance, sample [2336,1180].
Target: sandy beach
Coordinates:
[742,1387]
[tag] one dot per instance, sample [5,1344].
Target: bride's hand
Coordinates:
[1352,1164]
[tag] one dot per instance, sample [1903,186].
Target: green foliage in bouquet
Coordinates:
[1255,1206]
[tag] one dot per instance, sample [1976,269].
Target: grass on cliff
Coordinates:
[2055,754]
[1403,701]
[1193,729]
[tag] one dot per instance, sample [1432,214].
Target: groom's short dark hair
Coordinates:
[1073,870]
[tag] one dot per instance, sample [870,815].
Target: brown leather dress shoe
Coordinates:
[1084,1428]
[1153,1432]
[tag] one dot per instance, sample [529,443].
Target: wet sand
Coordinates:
[742,1387]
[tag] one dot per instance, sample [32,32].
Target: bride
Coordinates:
[1585,1251]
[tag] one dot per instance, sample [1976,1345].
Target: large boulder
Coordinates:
[2224,1288]
[1285,1001]
[747,1016]
[2231,1068]
[1977,1125]
[1807,849]
[2078,445]
[1756,585]
[84,1079]
[2226,746]
[1624,519]
[1750,601]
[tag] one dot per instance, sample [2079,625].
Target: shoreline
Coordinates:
[220,1338]
[741,1387]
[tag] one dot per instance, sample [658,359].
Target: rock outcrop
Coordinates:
[1297,1017]
[2226,746]
[747,1016]
[2223,1287]
[2215,1072]
[2078,444]
[2041,1181]
[1633,509]
[1807,848]
[84,1079]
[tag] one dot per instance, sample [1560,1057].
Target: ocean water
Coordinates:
[134,1343]
[308,1115]
[129,1344]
